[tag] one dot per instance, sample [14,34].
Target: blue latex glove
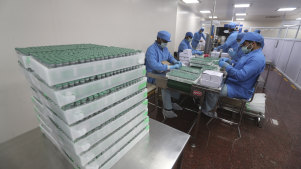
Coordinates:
[223,64]
[178,62]
[215,49]
[228,60]
[231,52]
[176,66]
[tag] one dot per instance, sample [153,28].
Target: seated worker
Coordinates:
[185,44]
[231,40]
[197,38]
[242,76]
[154,56]
[236,53]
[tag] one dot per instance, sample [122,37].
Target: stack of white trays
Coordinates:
[91,100]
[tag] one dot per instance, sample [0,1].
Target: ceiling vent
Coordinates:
[272,17]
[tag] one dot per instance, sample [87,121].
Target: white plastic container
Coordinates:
[84,158]
[83,127]
[70,95]
[84,144]
[126,143]
[73,72]
[80,112]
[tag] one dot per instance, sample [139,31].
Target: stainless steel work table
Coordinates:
[159,150]
[197,90]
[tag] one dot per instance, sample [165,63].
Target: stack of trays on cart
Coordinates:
[90,99]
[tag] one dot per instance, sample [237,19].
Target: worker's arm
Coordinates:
[203,36]
[250,69]
[153,63]
[171,59]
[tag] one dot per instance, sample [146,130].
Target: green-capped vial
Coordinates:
[65,85]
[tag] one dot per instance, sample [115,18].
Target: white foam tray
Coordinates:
[90,140]
[80,112]
[83,127]
[73,72]
[113,159]
[88,156]
[70,95]
[126,149]
[100,162]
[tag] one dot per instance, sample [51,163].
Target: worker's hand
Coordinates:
[177,66]
[231,52]
[228,60]
[178,62]
[223,64]
[216,49]
[199,52]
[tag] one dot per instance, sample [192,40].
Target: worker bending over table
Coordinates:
[242,76]
[197,38]
[231,40]
[154,56]
[185,44]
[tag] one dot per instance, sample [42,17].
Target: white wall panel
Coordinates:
[284,54]
[294,64]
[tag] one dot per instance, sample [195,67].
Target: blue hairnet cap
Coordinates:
[240,36]
[254,37]
[257,31]
[189,34]
[164,35]
[232,25]
[202,29]
[246,30]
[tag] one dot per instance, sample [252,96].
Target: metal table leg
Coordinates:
[266,78]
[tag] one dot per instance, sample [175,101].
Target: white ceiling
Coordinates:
[259,10]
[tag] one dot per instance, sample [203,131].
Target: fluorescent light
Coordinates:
[288,25]
[240,19]
[286,9]
[191,1]
[205,11]
[298,19]
[241,5]
[241,14]
[214,17]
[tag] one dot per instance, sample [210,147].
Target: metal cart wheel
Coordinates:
[259,122]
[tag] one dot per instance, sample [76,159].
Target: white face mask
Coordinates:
[190,39]
[163,45]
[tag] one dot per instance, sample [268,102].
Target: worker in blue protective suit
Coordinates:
[242,76]
[231,40]
[154,56]
[246,30]
[185,44]
[197,38]
[257,31]
[236,53]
